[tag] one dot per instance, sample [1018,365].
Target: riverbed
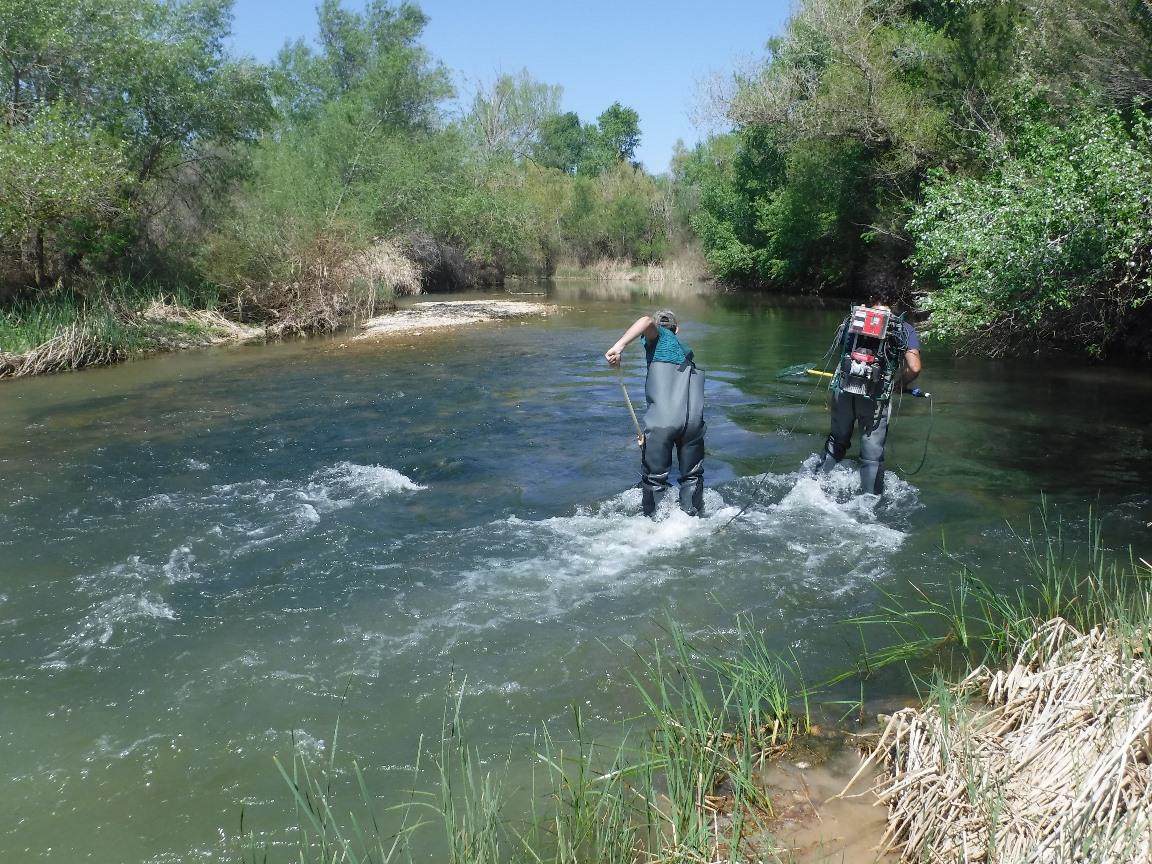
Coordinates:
[209,557]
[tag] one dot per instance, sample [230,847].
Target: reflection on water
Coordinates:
[202,551]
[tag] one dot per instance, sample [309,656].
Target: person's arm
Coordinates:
[644,326]
[911,365]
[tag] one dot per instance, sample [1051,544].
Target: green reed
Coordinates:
[975,623]
[656,796]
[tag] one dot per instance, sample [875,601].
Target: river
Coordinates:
[208,554]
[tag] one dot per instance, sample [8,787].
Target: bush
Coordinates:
[1050,247]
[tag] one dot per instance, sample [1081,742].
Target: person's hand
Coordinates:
[612,355]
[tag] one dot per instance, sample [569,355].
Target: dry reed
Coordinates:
[385,266]
[72,347]
[214,328]
[1045,762]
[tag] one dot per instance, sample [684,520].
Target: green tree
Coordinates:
[147,81]
[619,132]
[54,170]
[1049,248]
[611,140]
[560,143]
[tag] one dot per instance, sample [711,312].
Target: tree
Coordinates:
[560,143]
[619,129]
[53,170]
[507,116]
[1051,247]
[373,61]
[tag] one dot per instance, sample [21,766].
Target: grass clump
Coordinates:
[1033,741]
[680,785]
[106,323]
[976,624]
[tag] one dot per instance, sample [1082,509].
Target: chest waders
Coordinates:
[675,418]
[873,344]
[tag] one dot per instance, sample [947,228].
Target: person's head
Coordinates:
[667,318]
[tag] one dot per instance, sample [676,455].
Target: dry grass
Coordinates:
[111,333]
[687,267]
[385,266]
[1046,762]
[72,347]
[323,286]
[212,327]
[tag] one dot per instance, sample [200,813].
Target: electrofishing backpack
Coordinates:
[873,345]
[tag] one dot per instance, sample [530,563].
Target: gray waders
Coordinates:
[675,418]
[847,410]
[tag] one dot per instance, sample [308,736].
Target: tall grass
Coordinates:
[978,624]
[97,325]
[683,782]
[680,784]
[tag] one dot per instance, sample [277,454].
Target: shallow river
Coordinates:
[205,555]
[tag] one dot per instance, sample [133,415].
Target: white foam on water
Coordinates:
[816,531]
[112,617]
[178,567]
[361,481]
[305,743]
[127,597]
[260,509]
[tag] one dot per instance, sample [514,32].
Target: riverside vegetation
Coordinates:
[139,160]
[990,156]
[688,782]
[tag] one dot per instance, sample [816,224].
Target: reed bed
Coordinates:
[686,268]
[1047,761]
[196,326]
[73,346]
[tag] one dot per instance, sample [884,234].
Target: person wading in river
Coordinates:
[879,354]
[674,389]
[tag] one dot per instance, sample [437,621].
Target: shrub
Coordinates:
[1052,245]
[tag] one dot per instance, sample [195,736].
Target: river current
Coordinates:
[207,556]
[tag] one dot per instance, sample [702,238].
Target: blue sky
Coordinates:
[648,55]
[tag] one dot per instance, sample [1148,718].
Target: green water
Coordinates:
[206,554]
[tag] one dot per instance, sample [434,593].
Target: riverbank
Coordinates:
[63,338]
[687,267]
[103,333]
[1045,760]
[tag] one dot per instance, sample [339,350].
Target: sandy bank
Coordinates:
[438,314]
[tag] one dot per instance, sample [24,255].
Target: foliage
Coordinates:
[620,213]
[613,140]
[782,215]
[506,117]
[363,151]
[560,143]
[1050,245]
[53,170]
[146,95]
[1010,133]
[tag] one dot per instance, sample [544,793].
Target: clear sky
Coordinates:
[649,55]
